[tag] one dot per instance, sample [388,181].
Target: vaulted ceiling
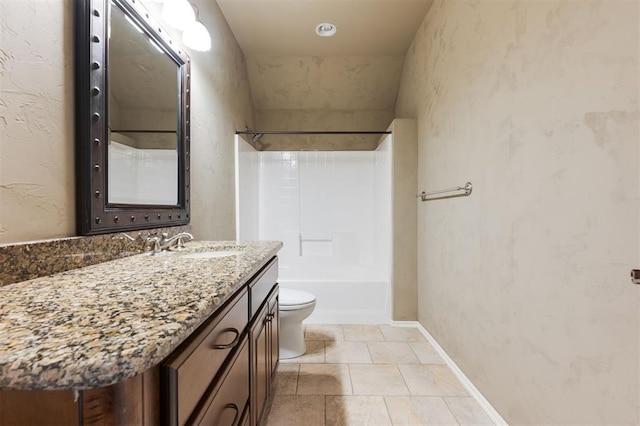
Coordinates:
[350,80]
[290,67]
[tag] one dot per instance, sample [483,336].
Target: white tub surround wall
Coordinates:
[332,211]
[383,217]
[525,283]
[323,206]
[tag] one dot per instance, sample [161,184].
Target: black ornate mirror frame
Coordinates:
[94,214]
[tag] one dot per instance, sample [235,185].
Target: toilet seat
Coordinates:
[291,300]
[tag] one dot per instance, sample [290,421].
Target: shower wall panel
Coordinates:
[322,205]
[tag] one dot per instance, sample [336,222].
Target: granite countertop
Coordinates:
[95,326]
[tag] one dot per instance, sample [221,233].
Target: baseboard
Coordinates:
[464,380]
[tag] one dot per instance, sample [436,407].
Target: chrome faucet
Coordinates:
[177,240]
[164,242]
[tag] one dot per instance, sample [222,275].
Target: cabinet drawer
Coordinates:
[228,401]
[262,285]
[191,370]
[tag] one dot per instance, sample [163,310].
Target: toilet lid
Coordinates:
[289,297]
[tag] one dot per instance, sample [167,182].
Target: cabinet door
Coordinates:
[274,332]
[260,364]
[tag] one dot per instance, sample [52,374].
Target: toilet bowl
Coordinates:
[295,307]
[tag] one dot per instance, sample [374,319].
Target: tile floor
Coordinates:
[369,375]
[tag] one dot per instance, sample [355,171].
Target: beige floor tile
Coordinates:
[324,379]
[401,334]
[362,333]
[323,332]
[288,410]
[346,353]
[370,375]
[286,379]
[419,411]
[431,380]
[314,354]
[392,353]
[426,353]
[377,379]
[467,411]
[356,411]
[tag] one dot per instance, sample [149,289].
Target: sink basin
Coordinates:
[212,254]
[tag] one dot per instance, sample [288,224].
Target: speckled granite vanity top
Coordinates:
[98,325]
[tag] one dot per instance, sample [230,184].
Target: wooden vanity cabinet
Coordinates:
[222,374]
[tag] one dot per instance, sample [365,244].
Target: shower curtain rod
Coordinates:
[310,132]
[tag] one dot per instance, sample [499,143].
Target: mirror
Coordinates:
[132,119]
[143,117]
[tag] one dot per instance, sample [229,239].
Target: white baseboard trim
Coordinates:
[464,380]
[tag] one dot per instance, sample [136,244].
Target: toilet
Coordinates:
[295,307]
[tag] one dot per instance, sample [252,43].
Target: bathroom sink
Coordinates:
[212,254]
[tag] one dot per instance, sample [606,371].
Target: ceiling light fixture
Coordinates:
[183,15]
[326,29]
[178,13]
[197,37]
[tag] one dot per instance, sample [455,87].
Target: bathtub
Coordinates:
[343,295]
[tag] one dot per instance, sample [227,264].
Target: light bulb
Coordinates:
[197,37]
[178,13]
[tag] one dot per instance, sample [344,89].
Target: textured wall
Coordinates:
[323,93]
[405,240]
[220,105]
[325,120]
[311,82]
[36,122]
[525,283]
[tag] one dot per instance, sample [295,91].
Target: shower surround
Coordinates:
[332,211]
